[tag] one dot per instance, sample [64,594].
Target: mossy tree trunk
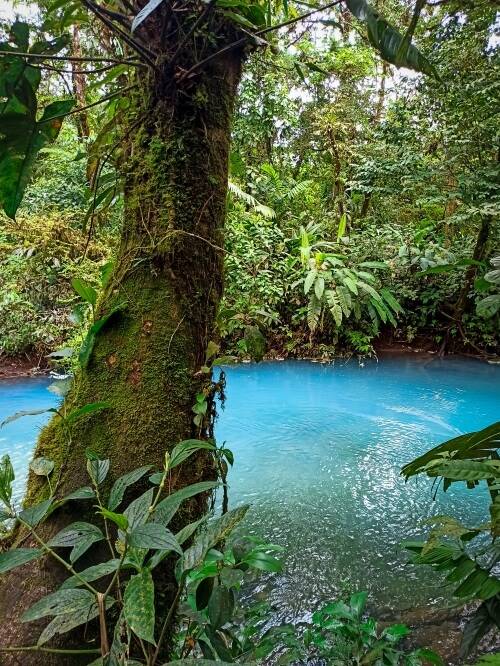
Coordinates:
[168,278]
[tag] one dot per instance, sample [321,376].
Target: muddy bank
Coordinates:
[441,630]
[11,368]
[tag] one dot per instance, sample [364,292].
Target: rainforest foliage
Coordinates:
[363,199]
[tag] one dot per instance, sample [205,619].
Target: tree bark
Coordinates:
[166,286]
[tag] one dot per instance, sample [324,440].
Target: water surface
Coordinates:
[318,452]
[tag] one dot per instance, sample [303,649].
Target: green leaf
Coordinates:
[91,573]
[391,300]
[121,485]
[464,446]
[23,138]
[98,470]
[41,466]
[61,624]
[91,337]
[117,518]
[319,287]
[155,536]
[466,470]
[137,511]
[7,477]
[358,603]
[221,606]
[61,602]
[263,561]
[34,514]
[139,608]
[184,449]
[203,592]
[87,409]
[11,559]
[309,281]
[388,41]
[84,290]
[215,532]
[79,536]
[85,492]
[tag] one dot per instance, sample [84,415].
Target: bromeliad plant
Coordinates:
[469,555]
[331,284]
[115,587]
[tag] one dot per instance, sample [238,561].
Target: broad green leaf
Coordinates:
[86,492]
[7,477]
[182,536]
[22,139]
[464,446]
[118,519]
[41,466]
[87,409]
[98,470]
[390,300]
[221,606]
[11,559]
[91,573]
[139,606]
[61,602]
[34,514]
[61,624]
[388,41]
[137,511]
[466,470]
[216,531]
[184,449]
[79,536]
[84,290]
[263,561]
[358,603]
[309,281]
[154,536]
[121,485]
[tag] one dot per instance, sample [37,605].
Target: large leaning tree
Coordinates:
[171,69]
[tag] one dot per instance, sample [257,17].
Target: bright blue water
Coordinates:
[318,451]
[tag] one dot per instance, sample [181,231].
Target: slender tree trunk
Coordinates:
[166,287]
[462,303]
[479,253]
[79,85]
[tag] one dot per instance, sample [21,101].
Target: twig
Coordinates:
[44,56]
[106,98]
[35,648]
[143,51]
[167,621]
[263,31]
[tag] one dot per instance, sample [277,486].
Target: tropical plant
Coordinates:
[469,554]
[115,587]
[345,290]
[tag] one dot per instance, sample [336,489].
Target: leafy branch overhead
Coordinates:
[25,130]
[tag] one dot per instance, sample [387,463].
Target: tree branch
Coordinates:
[44,56]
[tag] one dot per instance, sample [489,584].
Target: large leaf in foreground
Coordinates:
[139,608]
[389,41]
[22,138]
[12,559]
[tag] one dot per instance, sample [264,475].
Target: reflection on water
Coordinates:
[318,451]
